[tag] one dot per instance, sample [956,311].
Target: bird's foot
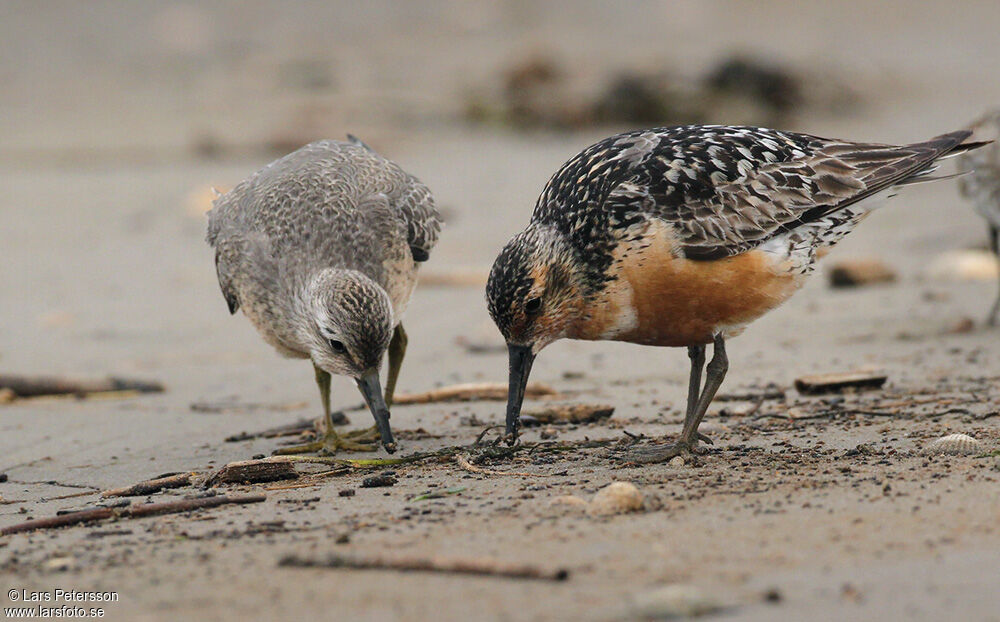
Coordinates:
[662,453]
[330,442]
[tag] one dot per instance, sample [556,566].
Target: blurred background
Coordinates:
[118,118]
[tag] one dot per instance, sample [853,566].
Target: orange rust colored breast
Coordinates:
[673,301]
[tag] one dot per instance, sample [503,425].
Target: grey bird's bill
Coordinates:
[521,358]
[371,390]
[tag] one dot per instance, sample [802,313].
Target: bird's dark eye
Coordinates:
[533,306]
[337,346]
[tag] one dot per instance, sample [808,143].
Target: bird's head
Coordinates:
[534,296]
[349,329]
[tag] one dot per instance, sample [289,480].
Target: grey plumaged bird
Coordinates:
[982,185]
[320,250]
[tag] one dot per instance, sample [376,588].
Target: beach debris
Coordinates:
[481,346]
[35,386]
[838,382]
[954,445]
[128,512]
[173,480]
[456,277]
[292,429]
[440,564]
[570,413]
[199,200]
[468,466]
[3,477]
[677,461]
[616,498]
[233,406]
[60,563]
[965,265]
[675,601]
[859,272]
[253,471]
[569,501]
[472,392]
[769,85]
[438,494]
[379,481]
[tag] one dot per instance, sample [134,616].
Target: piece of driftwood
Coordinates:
[835,383]
[253,471]
[451,565]
[137,511]
[858,272]
[472,392]
[34,386]
[570,413]
[150,486]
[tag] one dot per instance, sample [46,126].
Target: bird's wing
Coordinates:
[725,190]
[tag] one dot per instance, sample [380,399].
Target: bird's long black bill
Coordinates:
[371,389]
[521,358]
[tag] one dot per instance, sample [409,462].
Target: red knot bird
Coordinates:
[320,250]
[982,186]
[681,236]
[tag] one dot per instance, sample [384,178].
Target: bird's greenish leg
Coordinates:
[397,350]
[328,440]
[699,399]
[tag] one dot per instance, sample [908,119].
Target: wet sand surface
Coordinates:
[826,503]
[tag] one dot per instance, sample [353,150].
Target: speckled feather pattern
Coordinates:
[330,204]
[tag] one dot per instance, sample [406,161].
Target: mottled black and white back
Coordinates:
[727,189]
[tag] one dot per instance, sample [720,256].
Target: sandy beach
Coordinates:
[119,119]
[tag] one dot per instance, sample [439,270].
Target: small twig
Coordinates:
[480,567]
[138,511]
[472,392]
[468,466]
[150,486]
[32,386]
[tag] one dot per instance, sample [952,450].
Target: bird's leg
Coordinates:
[327,439]
[699,399]
[397,349]
[995,245]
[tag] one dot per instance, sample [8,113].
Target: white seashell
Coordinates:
[616,498]
[955,445]
[966,265]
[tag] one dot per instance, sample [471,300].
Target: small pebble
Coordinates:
[616,498]
[677,461]
[549,433]
[3,477]
[347,492]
